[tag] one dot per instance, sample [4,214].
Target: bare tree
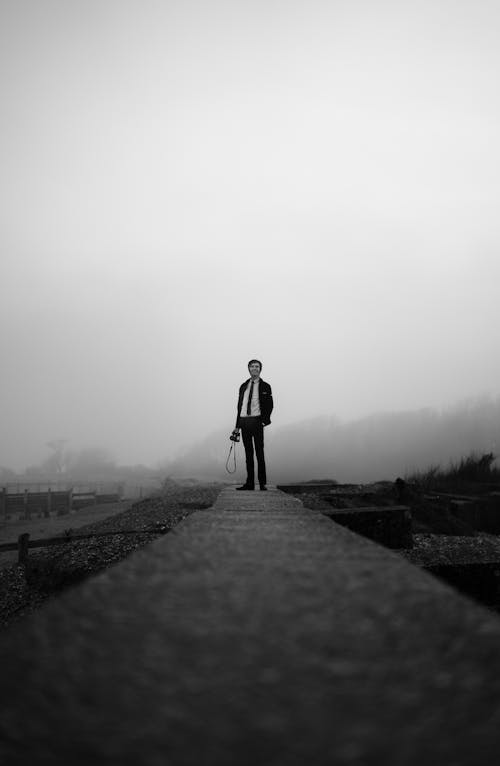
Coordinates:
[57,461]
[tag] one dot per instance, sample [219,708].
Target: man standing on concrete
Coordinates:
[255,404]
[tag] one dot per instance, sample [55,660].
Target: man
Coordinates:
[255,404]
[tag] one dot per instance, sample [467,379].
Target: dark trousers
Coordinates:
[252,432]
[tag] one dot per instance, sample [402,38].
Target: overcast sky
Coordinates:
[189,184]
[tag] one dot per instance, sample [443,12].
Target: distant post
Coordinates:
[23,541]
[3,502]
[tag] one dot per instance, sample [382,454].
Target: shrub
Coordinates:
[474,468]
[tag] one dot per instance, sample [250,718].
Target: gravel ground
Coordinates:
[434,550]
[49,570]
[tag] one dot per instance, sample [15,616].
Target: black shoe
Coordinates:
[245,486]
[263,488]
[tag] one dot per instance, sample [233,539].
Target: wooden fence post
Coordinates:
[3,502]
[23,541]
[27,514]
[49,504]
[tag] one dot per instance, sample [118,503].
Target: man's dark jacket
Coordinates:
[265,401]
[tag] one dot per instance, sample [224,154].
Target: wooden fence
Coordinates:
[30,502]
[24,543]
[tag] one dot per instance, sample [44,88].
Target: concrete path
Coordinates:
[256,633]
[231,499]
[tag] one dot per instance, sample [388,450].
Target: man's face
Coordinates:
[254,370]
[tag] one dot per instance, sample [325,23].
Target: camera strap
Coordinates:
[233,445]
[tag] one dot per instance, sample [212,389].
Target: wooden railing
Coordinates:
[24,543]
[29,502]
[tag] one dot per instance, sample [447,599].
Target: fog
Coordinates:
[378,447]
[187,185]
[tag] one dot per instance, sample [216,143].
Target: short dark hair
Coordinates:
[255,361]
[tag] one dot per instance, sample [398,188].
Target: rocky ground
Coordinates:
[49,570]
[430,550]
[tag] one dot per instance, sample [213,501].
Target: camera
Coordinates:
[235,436]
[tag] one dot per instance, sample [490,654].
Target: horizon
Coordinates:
[314,425]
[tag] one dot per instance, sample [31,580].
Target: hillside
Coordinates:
[380,446]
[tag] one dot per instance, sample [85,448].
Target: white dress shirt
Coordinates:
[254,404]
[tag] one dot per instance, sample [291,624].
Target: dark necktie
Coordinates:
[249,404]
